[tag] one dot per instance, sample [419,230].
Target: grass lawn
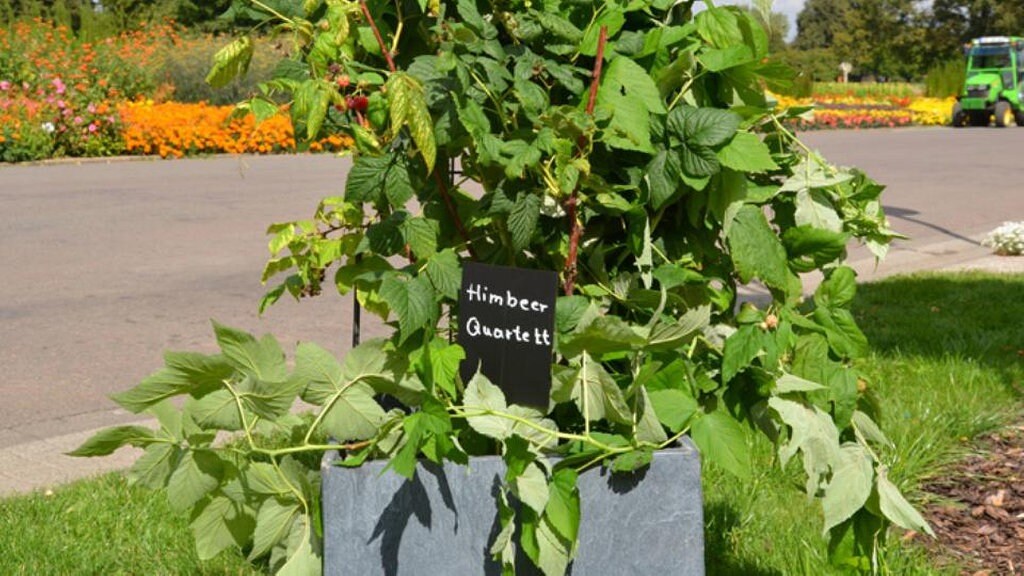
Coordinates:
[946,362]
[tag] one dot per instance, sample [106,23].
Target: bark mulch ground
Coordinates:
[978,515]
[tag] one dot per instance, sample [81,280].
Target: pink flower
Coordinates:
[5,85]
[59,85]
[79,120]
[91,108]
[93,128]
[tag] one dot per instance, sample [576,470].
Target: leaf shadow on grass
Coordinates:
[974,316]
[719,560]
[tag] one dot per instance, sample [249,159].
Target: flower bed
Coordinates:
[850,110]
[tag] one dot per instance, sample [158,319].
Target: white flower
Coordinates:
[48,127]
[1007,239]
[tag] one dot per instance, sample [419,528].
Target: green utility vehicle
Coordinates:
[995,80]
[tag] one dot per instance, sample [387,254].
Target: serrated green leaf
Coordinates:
[632,461]
[674,408]
[838,289]
[842,332]
[789,383]
[154,468]
[722,440]
[522,220]
[531,487]
[345,392]
[379,179]
[408,108]
[896,508]
[216,410]
[596,394]
[703,127]
[186,373]
[275,519]
[262,359]
[420,234]
[444,364]
[669,335]
[852,479]
[813,433]
[755,249]
[411,300]
[625,78]
[719,27]
[198,473]
[867,428]
[648,426]
[220,524]
[663,177]
[107,441]
[483,396]
[445,273]
[563,508]
[604,335]
[747,153]
[814,209]
[230,62]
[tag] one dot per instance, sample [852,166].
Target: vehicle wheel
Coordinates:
[959,116]
[1018,116]
[978,118]
[1004,114]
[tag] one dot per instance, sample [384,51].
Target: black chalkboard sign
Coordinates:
[507,328]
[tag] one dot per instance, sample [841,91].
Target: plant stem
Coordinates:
[376,33]
[313,448]
[571,205]
[241,414]
[443,187]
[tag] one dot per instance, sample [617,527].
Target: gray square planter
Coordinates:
[443,521]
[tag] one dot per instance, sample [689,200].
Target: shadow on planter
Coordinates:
[444,519]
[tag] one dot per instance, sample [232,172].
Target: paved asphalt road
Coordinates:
[103,266]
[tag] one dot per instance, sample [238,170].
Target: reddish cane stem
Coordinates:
[437,176]
[376,34]
[576,232]
[453,212]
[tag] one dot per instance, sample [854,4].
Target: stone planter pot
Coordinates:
[443,521]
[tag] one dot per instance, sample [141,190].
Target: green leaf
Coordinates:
[531,487]
[896,508]
[154,468]
[216,410]
[717,60]
[722,440]
[789,383]
[522,221]
[632,461]
[378,179]
[549,551]
[262,359]
[444,364]
[412,301]
[198,473]
[747,153]
[699,161]
[756,250]
[673,407]
[604,335]
[670,335]
[346,394]
[813,433]
[533,98]
[648,426]
[741,348]
[302,556]
[420,234]
[612,18]
[719,27]
[445,273]
[842,332]
[663,178]
[408,107]
[483,396]
[624,77]
[852,479]
[703,127]
[867,428]
[563,508]
[107,441]
[820,246]
[596,394]
[814,209]
[231,61]
[220,524]
[274,521]
[838,289]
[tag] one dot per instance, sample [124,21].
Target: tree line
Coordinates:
[894,39]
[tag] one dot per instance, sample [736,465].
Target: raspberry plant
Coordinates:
[629,146]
